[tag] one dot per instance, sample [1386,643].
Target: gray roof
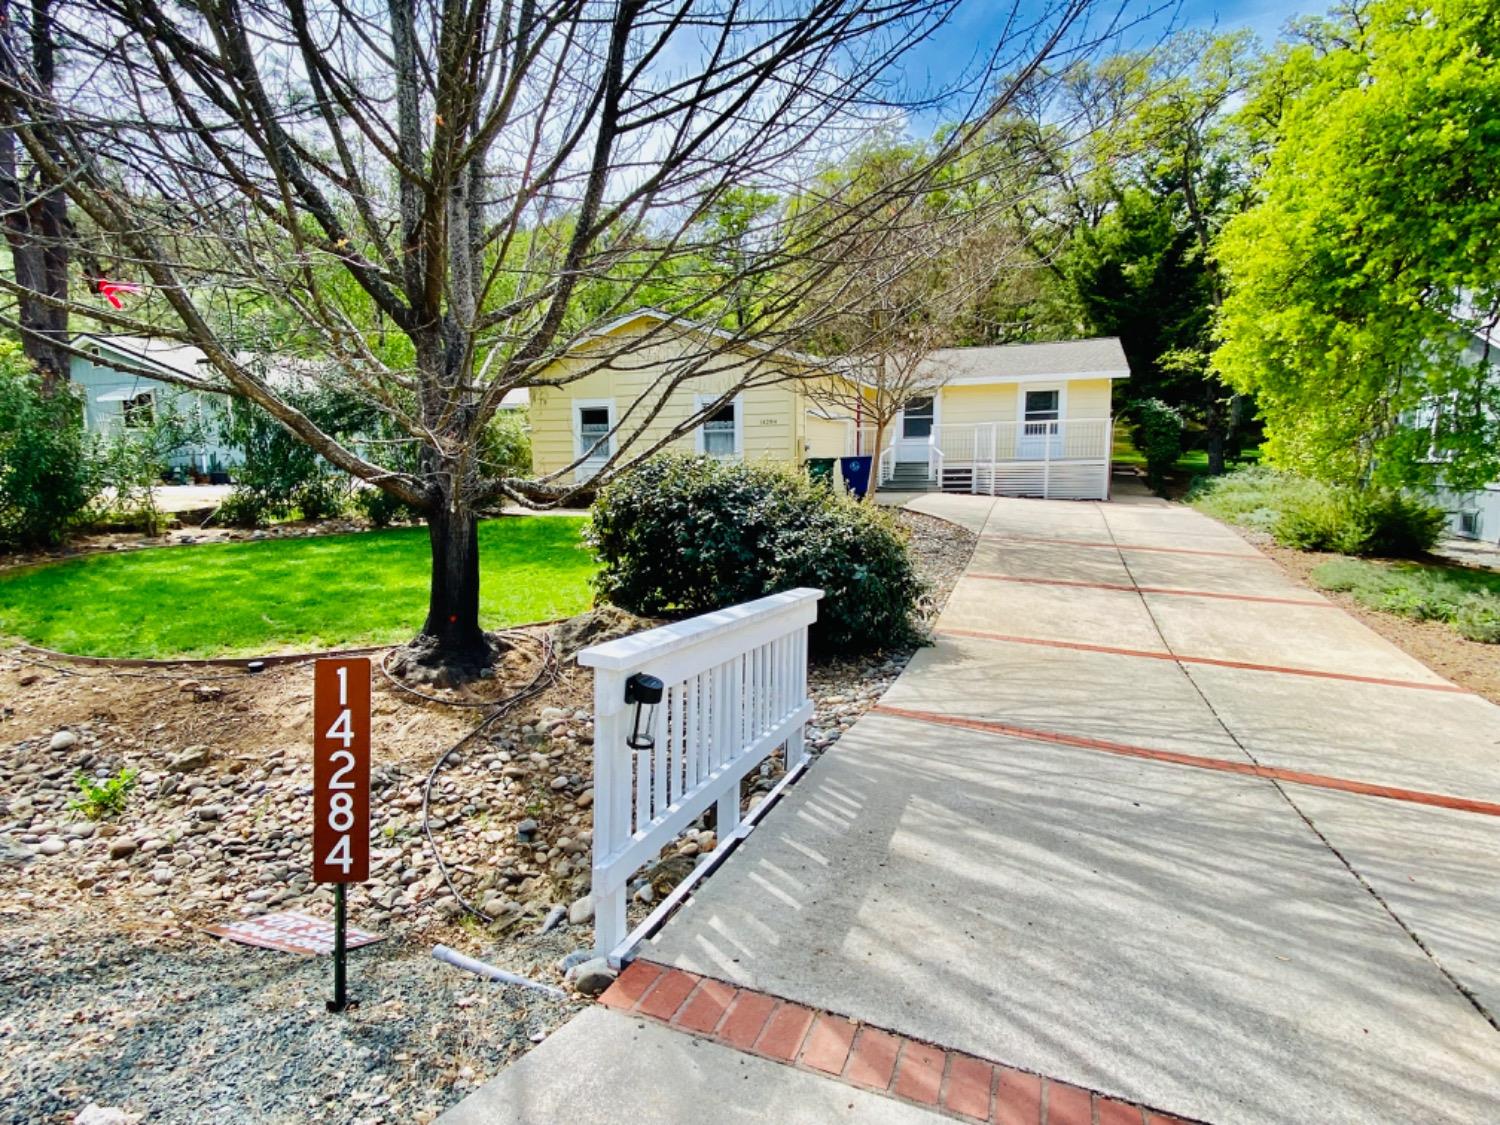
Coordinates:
[185,359]
[182,358]
[1098,358]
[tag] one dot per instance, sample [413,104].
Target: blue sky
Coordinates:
[980,21]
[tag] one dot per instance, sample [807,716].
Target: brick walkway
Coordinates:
[965,1087]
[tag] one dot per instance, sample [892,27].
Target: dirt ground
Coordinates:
[1467,663]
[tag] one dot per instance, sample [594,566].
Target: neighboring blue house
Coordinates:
[114,398]
[1476,514]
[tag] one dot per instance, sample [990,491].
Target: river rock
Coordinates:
[593,977]
[63,740]
[192,759]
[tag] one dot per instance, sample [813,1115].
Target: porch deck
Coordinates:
[1068,459]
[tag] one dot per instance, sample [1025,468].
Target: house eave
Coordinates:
[1037,377]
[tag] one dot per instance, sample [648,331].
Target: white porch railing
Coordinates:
[1068,457]
[1071,439]
[735,690]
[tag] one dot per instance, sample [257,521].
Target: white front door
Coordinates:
[914,429]
[1041,424]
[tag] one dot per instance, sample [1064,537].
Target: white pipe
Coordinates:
[489,972]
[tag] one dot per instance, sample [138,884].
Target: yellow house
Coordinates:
[1014,420]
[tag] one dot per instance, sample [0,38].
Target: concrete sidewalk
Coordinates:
[1209,943]
[1116,827]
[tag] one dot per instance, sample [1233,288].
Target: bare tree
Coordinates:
[436,200]
[904,286]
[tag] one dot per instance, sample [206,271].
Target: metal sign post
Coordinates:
[341,793]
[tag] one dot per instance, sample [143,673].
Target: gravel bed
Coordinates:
[213,1031]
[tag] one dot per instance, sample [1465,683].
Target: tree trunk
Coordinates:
[36,219]
[451,636]
[1216,442]
[875,465]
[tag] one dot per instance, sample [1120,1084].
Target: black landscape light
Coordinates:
[645,692]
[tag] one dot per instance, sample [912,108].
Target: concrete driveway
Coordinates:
[1150,818]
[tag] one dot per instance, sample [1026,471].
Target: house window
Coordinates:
[139,410]
[916,419]
[1043,406]
[1041,424]
[721,434]
[1469,524]
[593,440]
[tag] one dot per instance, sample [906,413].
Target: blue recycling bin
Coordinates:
[856,474]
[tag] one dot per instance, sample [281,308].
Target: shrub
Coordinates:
[241,508]
[1308,523]
[282,474]
[1158,436]
[684,535]
[381,508]
[1478,619]
[506,445]
[1383,523]
[1391,524]
[47,475]
[133,457]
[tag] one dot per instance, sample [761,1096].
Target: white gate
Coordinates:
[735,690]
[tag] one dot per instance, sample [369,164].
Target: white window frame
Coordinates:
[1024,389]
[583,471]
[1045,446]
[738,402]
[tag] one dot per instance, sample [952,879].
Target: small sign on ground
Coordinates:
[291,932]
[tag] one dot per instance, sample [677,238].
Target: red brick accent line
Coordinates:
[1254,556]
[968,1091]
[949,1082]
[919,1073]
[785,1030]
[705,1007]
[1018,1098]
[873,1060]
[1211,661]
[667,995]
[1128,588]
[828,1044]
[747,1017]
[632,984]
[1219,765]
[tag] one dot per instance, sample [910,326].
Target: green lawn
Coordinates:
[287,594]
[1192,463]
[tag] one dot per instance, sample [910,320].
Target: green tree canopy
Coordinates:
[1358,282]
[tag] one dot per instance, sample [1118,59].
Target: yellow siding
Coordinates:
[969,404]
[1082,398]
[826,437]
[772,426]
[1089,398]
[777,425]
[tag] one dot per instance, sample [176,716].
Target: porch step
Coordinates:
[908,477]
